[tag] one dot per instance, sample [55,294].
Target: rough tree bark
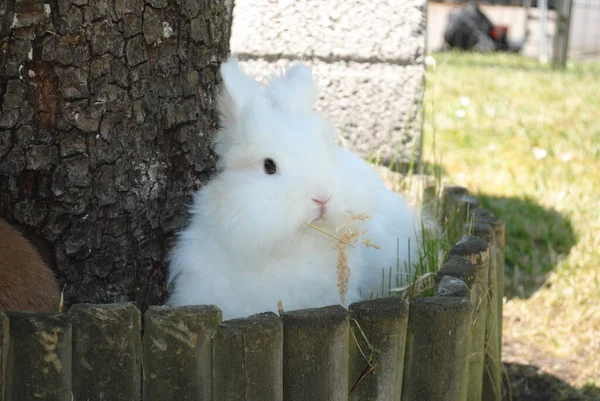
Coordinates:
[107,112]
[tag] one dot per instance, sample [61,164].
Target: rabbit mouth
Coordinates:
[319,216]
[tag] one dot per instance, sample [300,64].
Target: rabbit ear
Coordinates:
[294,91]
[237,92]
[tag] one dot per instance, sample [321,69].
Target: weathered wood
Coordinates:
[449,191]
[498,253]
[107,114]
[458,267]
[455,211]
[428,195]
[249,359]
[461,269]
[315,354]
[453,287]
[436,349]
[492,377]
[106,352]
[486,232]
[4,336]
[39,357]
[383,322]
[492,370]
[178,352]
[477,252]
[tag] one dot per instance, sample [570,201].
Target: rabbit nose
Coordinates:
[321,198]
[320,194]
[321,204]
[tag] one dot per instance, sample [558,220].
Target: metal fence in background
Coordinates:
[554,26]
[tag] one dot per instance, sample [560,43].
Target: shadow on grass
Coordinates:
[527,383]
[537,239]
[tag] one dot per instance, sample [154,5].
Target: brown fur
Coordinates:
[26,283]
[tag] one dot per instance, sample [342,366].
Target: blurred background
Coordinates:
[537,17]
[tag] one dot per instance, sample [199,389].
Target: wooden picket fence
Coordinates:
[445,347]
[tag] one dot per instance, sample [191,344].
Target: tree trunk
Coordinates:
[107,116]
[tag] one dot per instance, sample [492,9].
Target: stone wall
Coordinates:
[368,57]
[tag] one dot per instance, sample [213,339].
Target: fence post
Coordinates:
[39,357]
[249,359]
[4,336]
[178,352]
[106,349]
[429,193]
[448,192]
[561,36]
[455,211]
[459,267]
[436,348]
[498,252]
[315,354]
[477,252]
[492,379]
[456,278]
[453,287]
[383,322]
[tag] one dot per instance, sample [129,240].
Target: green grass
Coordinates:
[526,140]
[423,266]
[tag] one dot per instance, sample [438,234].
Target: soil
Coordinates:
[537,376]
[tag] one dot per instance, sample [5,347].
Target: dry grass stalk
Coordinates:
[345,235]
[326,233]
[58,305]
[369,368]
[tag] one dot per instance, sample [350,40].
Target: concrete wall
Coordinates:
[368,57]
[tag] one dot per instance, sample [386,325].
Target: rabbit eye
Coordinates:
[270,166]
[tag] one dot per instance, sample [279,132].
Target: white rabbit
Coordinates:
[247,244]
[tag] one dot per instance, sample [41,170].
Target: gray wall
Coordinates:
[368,57]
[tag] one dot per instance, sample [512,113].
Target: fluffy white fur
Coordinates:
[247,245]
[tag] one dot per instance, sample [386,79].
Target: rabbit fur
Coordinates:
[247,245]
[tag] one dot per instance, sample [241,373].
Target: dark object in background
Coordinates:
[26,283]
[514,3]
[470,29]
[551,4]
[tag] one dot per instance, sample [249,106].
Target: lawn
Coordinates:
[526,140]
